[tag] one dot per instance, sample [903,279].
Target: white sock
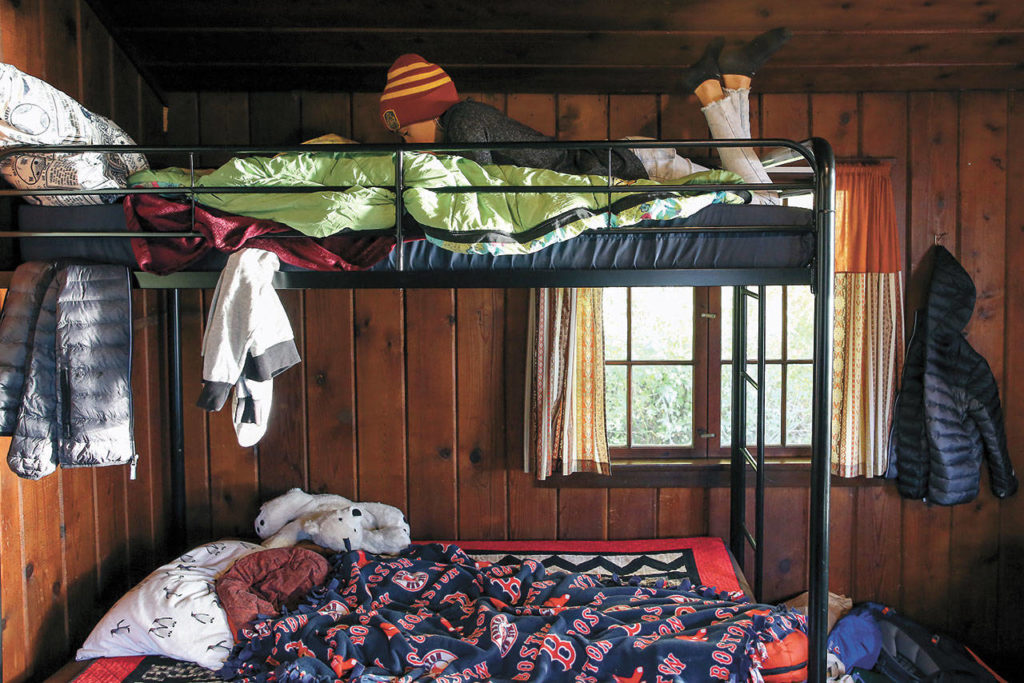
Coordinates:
[250,409]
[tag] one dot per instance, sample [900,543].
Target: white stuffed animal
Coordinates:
[333,522]
[277,512]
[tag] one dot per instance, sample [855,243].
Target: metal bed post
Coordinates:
[178,535]
[821,426]
[739,532]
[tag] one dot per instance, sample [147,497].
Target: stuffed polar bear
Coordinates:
[331,521]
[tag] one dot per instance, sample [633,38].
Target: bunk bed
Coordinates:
[742,246]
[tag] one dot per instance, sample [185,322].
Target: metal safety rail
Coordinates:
[820,159]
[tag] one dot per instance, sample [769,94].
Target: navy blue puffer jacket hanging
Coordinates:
[948,416]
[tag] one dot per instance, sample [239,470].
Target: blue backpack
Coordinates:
[906,651]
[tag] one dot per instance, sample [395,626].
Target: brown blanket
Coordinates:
[265,581]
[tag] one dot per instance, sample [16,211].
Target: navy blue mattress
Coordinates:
[721,248]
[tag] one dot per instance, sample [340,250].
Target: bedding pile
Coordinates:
[482,222]
[432,612]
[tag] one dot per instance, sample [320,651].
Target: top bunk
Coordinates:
[462,224]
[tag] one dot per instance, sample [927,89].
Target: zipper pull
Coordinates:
[131,466]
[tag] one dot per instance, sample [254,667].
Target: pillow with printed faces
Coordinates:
[33,112]
[173,612]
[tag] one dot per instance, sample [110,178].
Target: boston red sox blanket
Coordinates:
[433,613]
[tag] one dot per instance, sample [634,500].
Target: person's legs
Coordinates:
[729,118]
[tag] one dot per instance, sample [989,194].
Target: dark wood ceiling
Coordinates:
[613,46]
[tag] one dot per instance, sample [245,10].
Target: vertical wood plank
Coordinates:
[974,545]
[330,386]
[324,113]
[127,87]
[282,450]
[534,110]
[1011,520]
[60,45]
[480,414]
[96,73]
[431,413]
[380,395]
[22,33]
[632,513]
[583,117]
[14,654]
[275,118]
[926,529]
[682,512]
[234,472]
[45,592]
[223,120]
[366,124]
[630,115]
[582,514]
[197,456]
[836,117]
[533,509]
[139,494]
[785,563]
[785,116]
[876,574]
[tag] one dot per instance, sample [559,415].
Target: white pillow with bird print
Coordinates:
[173,612]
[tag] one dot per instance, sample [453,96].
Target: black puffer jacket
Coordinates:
[65,368]
[947,412]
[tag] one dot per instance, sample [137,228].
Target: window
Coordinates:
[668,363]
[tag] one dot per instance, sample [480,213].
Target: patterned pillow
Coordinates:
[173,612]
[33,112]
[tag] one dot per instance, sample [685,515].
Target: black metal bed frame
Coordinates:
[749,284]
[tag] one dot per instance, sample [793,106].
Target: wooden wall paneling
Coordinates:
[275,118]
[430,324]
[139,493]
[633,513]
[786,535]
[223,120]
[496,100]
[480,413]
[127,108]
[785,116]
[582,117]
[532,509]
[96,73]
[182,119]
[380,396]
[366,124]
[45,592]
[835,117]
[14,656]
[80,550]
[974,539]
[152,108]
[329,365]
[927,528]
[682,512]
[60,45]
[876,574]
[582,513]
[234,470]
[535,110]
[324,113]
[112,531]
[1011,521]
[282,450]
[21,24]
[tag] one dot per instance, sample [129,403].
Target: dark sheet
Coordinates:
[723,248]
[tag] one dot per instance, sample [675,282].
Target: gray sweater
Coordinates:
[470,121]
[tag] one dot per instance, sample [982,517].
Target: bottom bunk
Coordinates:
[510,610]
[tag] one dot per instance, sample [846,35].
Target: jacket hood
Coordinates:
[952,294]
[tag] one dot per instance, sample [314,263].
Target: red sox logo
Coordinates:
[411,582]
[438,660]
[503,633]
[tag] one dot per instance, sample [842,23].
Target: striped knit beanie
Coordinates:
[416,91]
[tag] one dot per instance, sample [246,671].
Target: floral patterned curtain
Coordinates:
[565,420]
[868,328]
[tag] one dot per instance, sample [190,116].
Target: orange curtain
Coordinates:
[868,328]
[565,418]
